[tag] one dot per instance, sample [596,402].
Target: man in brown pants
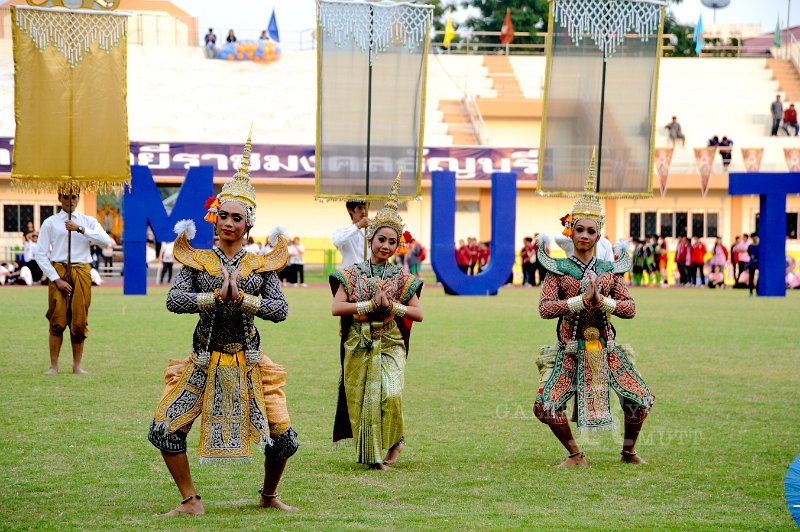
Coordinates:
[69,294]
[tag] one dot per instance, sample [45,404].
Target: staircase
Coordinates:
[785,73]
[458,123]
[504,80]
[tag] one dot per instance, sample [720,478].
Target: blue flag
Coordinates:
[699,42]
[272,29]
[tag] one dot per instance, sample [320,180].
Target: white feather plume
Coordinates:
[565,244]
[186,227]
[620,246]
[544,239]
[279,231]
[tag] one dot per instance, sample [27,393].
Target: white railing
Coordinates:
[479,129]
[793,50]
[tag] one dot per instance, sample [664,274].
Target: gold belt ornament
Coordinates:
[228,359]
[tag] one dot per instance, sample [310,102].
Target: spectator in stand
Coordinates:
[713,141]
[638,262]
[791,264]
[675,132]
[252,246]
[752,264]
[698,260]
[735,259]
[474,252]
[663,258]
[21,275]
[484,254]
[463,257]
[211,44]
[743,255]
[539,268]
[231,37]
[790,120]
[5,269]
[167,260]
[29,229]
[108,255]
[527,253]
[651,261]
[29,255]
[681,256]
[776,109]
[415,255]
[296,251]
[401,253]
[725,151]
[718,261]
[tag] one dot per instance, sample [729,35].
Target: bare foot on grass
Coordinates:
[632,459]
[52,371]
[272,501]
[79,371]
[394,453]
[575,461]
[380,467]
[190,507]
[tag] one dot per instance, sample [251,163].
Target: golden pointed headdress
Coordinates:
[587,206]
[239,188]
[387,216]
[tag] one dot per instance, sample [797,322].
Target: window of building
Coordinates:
[635,222]
[45,212]
[681,224]
[712,222]
[791,225]
[15,217]
[650,224]
[667,224]
[698,224]
[468,206]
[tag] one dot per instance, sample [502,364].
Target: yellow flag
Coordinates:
[449,31]
[70,99]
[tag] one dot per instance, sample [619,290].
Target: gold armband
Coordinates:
[251,304]
[576,304]
[609,305]
[206,301]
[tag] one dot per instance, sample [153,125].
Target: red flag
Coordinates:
[507,31]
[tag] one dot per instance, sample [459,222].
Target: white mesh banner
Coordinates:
[371,97]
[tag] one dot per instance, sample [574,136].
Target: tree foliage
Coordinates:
[527,16]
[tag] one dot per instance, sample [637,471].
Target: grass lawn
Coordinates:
[724,428]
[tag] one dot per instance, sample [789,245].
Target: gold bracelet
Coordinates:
[218,298]
[398,309]
[239,298]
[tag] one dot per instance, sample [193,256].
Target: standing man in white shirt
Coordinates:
[68,298]
[350,240]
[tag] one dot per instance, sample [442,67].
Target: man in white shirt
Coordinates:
[350,240]
[167,259]
[68,299]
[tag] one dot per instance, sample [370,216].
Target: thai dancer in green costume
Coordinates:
[377,302]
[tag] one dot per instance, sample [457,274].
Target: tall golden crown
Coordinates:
[239,187]
[588,206]
[387,216]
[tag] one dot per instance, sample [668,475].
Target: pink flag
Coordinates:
[704,158]
[663,158]
[752,158]
[792,158]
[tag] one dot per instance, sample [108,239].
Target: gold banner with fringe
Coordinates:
[70,99]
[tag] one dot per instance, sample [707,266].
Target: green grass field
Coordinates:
[723,366]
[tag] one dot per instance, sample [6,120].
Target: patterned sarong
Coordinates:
[240,404]
[374,365]
[73,311]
